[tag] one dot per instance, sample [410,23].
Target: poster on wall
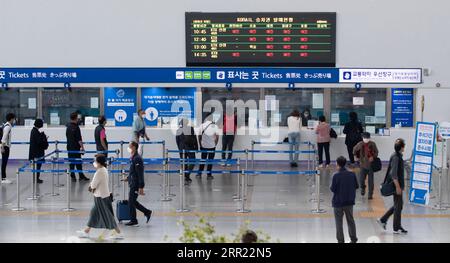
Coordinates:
[120,105]
[161,105]
[402,107]
[422,165]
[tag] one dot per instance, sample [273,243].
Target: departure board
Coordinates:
[261,39]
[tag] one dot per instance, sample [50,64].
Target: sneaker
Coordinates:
[6,181]
[149,215]
[222,164]
[132,224]
[39,181]
[327,166]
[382,224]
[115,236]
[321,166]
[82,234]
[363,192]
[401,231]
[228,164]
[209,177]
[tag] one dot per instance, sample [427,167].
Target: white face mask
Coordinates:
[95,164]
[129,150]
[41,130]
[365,140]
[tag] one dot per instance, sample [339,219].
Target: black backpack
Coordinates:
[1,130]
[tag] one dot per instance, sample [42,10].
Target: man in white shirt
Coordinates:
[208,138]
[6,144]
[294,122]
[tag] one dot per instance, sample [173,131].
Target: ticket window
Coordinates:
[369,104]
[20,101]
[58,104]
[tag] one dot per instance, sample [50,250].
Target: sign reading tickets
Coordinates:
[402,107]
[120,105]
[422,165]
[162,105]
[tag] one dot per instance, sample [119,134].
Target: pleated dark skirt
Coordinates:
[102,214]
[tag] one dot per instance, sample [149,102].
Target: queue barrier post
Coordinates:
[53,176]
[169,194]
[165,195]
[246,168]
[18,208]
[318,210]
[111,161]
[68,208]
[34,195]
[118,152]
[253,155]
[57,165]
[244,193]
[238,195]
[181,208]
[439,205]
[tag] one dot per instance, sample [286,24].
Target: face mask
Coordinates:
[365,140]
[41,130]
[95,164]
[129,150]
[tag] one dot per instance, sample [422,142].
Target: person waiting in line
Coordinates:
[100,136]
[102,214]
[294,122]
[229,132]
[352,130]
[343,186]
[76,146]
[306,116]
[208,138]
[396,173]
[136,184]
[187,141]
[366,151]
[38,145]
[139,133]
[323,140]
[249,237]
[6,143]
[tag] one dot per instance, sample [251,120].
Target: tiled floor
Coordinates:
[279,206]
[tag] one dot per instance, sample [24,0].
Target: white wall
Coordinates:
[437,105]
[143,33]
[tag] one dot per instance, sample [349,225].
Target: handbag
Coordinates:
[286,139]
[376,165]
[387,188]
[333,133]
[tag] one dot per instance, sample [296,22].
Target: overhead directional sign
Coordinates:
[380,75]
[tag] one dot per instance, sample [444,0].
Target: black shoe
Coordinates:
[401,231]
[381,223]
[209,177]
[132,224]
[370,197]
[84,178]
[295,164]
[74,179]
[363,192]
[149,215]
[292,164]
[39,181]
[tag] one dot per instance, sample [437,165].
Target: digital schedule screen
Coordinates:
[261,39]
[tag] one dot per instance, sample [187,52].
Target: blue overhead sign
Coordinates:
[402,107]
[163,104]
[422,164]
[169,75]
[120,105]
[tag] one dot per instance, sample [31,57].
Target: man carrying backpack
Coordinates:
[5,132]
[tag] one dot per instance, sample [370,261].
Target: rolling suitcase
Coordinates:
[122,206]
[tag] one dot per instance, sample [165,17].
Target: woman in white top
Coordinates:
[102,215]
[294,122]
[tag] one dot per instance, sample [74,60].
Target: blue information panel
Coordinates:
[422,165]
[161,105]
[402,107]
[120,105]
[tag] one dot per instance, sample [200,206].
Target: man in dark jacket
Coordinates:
[38,145]
[75,145]
[136,184]
[187,141]
[366,151]
[344,187]
[352,130]
[100,136]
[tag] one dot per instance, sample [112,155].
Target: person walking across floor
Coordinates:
[229,132]
[343,186]
[187,141]
[139,132]
[38,145]
[102,214]
[208,138]
[75,146]
[294,122]
[136,184]
[352,130]
[366,151]
[323,141]
[5,147]
[397,175]
[101,142]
